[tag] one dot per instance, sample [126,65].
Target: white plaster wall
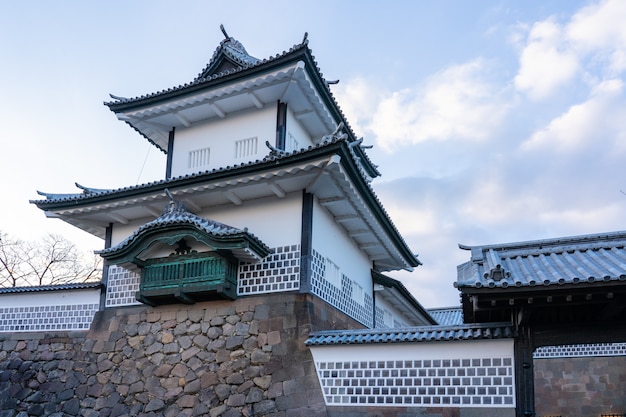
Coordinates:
[51,298]
[331,241]
[122,231]
[295,128]
[276,221]
[220,136]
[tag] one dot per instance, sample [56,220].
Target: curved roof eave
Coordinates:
[340,147]
[178,222]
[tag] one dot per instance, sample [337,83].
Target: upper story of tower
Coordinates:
[239,109]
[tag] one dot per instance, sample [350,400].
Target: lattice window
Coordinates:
[358,295]
[280,271]
[471,382]
[48,317]
[246,147]
[582,350]
[199,158]
[292,143]
[332,274]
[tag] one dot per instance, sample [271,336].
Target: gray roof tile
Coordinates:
[412,334]
[57,287]
[447,316]
[569,260]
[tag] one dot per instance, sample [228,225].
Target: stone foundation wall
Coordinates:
[577,387]
[221,358]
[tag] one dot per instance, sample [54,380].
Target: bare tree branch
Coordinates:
[53,260]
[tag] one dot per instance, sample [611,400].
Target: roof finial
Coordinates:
[274,150]
[336,135]
[306,37]
[173,205]
[224,31]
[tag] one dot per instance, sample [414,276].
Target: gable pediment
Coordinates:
[229,55]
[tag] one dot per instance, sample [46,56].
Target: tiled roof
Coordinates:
[199,80]
[447,316]
[246,64]
[58,287]
[570,260]
[274,160]
[87,195]
[412,334]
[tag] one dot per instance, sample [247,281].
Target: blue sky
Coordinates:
[492,121]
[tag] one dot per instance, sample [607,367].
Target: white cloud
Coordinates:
[600,29]
[458,103]
[597,121]
[544,63]
[592,45]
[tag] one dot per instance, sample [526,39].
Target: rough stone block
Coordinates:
[155,404]
[192,387]
[196,315]
[254,395]
[218,411]
[187,401]
[264,407]
[236,400]
[189,353]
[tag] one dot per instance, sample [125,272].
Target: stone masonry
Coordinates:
[580,387]
[219,358]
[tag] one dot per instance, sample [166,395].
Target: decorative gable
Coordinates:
[229,55]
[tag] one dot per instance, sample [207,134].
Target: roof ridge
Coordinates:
[557,241]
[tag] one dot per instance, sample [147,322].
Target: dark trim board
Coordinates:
[170,153]
[281,126]
[306,243]
[108,238]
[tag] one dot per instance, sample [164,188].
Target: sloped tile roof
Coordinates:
[58,287]
[447,316]
[339,145]
[246,64]
[412,334]
[586,259]
[90,193]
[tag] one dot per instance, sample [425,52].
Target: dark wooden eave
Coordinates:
[562,304]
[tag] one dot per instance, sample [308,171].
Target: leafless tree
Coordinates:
[53,260]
